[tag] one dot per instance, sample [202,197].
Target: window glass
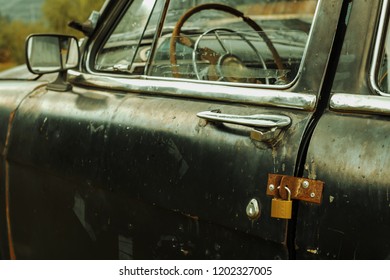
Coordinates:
[240,41]
[128,47]
[213,41]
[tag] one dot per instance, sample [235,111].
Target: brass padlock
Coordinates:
[280,208]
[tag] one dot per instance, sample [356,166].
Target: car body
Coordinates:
[161,146]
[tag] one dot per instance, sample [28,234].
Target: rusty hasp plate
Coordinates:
[301,188]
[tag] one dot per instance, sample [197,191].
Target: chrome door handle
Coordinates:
[255,121]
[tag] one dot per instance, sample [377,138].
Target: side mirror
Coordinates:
[50,53]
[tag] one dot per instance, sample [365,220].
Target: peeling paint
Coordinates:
[125,248]
[38,92]
[96,129]
[79,210]
[7,188]
[275,162]
[312,170]
[337,230]
[43,127]
[173,150]
[7,210]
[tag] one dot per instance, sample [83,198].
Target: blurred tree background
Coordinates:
[56,15]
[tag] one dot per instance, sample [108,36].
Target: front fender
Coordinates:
[12,93]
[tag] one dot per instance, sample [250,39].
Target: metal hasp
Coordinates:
[286,188]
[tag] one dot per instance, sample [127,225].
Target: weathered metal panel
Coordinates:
[12,93]
[97,147]
[351,153]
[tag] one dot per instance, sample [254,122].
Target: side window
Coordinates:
[244,41]
[230,41]
[128,47]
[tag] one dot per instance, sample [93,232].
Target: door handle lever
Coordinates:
[254,121]
[266,128]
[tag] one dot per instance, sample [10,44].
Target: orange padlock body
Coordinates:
[281,209]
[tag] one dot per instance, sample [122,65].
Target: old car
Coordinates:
[200,129]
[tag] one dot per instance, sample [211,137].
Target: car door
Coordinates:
[350,149]
[163,148]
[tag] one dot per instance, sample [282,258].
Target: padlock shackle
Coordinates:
[288,191]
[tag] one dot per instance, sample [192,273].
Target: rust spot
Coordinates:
[10,121]
[202,123]
[10,241]
[39,90]
[196,218]
[7,196]
[312,193]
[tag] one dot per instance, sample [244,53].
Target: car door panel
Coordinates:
[351,154]
[63,152]
[109,153]
[349,150]
[199,173]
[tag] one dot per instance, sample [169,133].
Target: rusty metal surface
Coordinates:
[311,193]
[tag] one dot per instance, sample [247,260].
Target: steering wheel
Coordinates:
[226,66]
[211,55]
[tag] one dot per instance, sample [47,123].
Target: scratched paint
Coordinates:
[173,150]
[125,248]
[79,211]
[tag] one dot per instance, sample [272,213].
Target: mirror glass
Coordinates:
[51,53]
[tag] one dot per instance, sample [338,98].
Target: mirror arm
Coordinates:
[60,84]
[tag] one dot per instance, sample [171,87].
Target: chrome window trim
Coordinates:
[181,88]
[357,103]
[246,85]
[380,37]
